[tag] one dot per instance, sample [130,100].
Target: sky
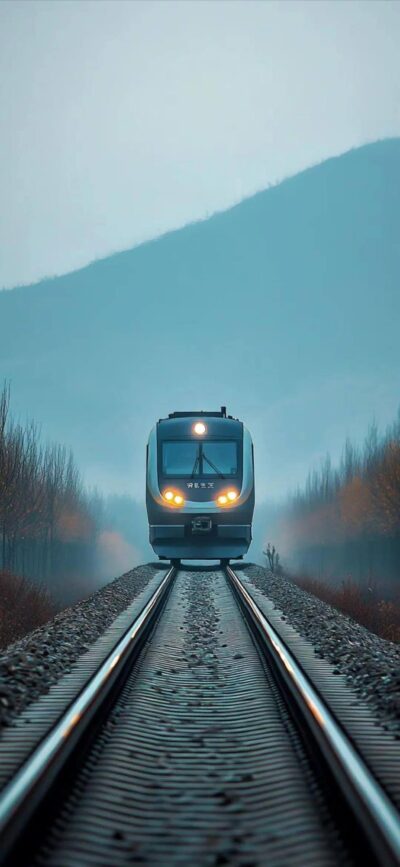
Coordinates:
[121,120]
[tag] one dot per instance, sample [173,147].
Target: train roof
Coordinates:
[180,424]
[201,412]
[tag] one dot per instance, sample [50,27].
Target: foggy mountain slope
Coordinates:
[285,307]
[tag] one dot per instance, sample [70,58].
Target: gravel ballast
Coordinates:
[29,667]
[370,664]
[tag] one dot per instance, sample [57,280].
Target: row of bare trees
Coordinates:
[47,521]
[346,520]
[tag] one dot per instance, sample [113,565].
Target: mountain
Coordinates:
[285,307]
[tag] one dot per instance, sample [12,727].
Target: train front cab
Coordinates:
[191,481]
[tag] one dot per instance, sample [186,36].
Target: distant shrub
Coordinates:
[273,559]
[23,606]
[379,616]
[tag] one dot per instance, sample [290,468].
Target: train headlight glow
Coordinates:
[173,497]
[199,428]
[228,498]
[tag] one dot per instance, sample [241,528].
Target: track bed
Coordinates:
[200,763]
[197,756]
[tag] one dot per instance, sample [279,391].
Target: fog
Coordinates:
[121,122]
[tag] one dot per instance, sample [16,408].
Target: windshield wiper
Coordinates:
[195,465]
[216,470]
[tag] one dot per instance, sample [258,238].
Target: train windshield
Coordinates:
[219,459]
[209,458]
[180,458]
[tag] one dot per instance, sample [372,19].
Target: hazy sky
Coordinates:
[119,120]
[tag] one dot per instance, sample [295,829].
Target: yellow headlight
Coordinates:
[178,499]
[199,428]
[232,495]
[222,500]
[169,495]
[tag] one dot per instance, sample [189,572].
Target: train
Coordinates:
[200,487]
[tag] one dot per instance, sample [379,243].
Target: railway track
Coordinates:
[199,740]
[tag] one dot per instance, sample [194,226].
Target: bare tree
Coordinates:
[346,520]
[47,525]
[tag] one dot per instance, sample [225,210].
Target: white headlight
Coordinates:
[199,428]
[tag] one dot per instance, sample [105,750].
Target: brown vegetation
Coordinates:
[23,607]
[53,533]
[47,522]
[346,521]
[49,528]
[378,615]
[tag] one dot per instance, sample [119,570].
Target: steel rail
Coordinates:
[22,796]
[377,815]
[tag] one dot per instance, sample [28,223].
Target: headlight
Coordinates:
[228,498]
[199,428]
[173,498]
